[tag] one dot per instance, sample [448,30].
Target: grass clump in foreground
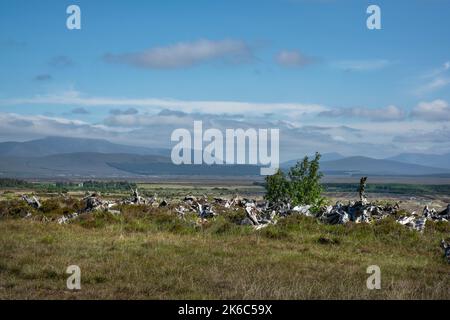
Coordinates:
[151,254]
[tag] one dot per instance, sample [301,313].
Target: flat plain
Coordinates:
[150,253]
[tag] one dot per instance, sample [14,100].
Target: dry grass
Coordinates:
[152,255]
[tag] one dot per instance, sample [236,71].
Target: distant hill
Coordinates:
[364,165]
[432,160]
[65,165]
[150,168]
[57,145]
[324,157]
[73,157]
[102,165]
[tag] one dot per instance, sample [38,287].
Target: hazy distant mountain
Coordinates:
[103,165]
[160,168]
[364,165]
[74,157]
[432,160]
[324,157]
[331,156]
[58,145]
[64,165]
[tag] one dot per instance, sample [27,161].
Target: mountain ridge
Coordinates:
[61,156]
[58,145]
[366,165]
[433,160]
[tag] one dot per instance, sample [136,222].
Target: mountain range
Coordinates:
[432,160]
[54,157]
[57,145]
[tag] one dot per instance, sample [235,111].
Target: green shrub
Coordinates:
[50,205]
[277,187]
[235,216]
[56,207]
[302,186]
[15,209]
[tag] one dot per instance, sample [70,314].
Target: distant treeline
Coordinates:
[395,188]
[14,183]
[67,186]
[105,186]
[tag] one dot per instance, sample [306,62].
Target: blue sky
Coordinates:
[309,67]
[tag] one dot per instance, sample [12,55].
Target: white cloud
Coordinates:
[185,54]
[214,106]
[438,71]
[433,140]
[362,65]
[292,59]
[147,120]
[437,110]
[25,127]
[447,65]
[433,85]
[376,139]
[389,113]
[437,79]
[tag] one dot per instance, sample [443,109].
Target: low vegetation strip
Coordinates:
[148,255]
[411,189]
[391,188]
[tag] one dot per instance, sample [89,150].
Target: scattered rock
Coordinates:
[260,213]
[33,201]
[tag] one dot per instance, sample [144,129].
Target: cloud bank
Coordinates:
[203,106]
[437,110]
[389,113]
[185,54]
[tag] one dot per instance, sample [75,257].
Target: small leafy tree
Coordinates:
[277,187]
[305,187]
[301,187]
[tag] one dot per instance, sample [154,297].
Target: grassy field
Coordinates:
[148,253]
